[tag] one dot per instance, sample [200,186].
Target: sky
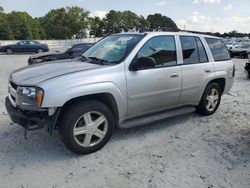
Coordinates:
[200,15]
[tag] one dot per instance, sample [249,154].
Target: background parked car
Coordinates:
[75,51]
[232,45]
[241,51]
[25,46]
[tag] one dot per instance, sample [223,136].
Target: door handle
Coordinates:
[174,75]
[207,70]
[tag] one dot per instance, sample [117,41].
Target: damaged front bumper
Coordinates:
[32,120]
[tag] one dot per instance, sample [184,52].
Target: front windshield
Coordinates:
[114,48]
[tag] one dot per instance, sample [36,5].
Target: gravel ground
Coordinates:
[187,151]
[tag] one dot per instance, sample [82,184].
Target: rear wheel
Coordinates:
[9,51]
[245,56]
[247,73]
[86,127]
[210,100]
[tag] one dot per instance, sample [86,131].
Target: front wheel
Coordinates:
[86,126]
[40,50]
[210,100]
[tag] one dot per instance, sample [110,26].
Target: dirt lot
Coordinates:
[188,151]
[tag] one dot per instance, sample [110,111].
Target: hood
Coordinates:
[46,54]
[32,75]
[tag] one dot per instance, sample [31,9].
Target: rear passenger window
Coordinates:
[202,52]
[218,49]
[189,50]
[162,49]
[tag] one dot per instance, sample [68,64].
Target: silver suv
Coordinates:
[122,81]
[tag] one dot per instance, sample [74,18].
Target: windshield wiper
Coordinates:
[83,58]
[100,61]
[96,60]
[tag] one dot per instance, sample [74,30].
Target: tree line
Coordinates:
[64,23]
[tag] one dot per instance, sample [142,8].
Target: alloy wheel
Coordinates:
[9,51]
[212,99]
[40,51]
[90,129]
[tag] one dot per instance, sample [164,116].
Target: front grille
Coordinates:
[13,98]
[12,92]
[13,85]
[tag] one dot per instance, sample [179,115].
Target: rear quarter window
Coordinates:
[218,49]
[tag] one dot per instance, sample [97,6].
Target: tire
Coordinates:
[39,50]
[247,73]
[245,56]
[9,51]
[74,133]
[207,107]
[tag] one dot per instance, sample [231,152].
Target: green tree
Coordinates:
[160,22]
[65,22]
[5,29]
[117,21]
[97,27]
[113,22]
[1,9]
[130,21]
[20,24]
[143,23]
[38,31]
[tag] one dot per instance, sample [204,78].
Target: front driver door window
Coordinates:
[162,49]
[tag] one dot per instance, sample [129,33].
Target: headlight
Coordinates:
[28,91]
[30,96]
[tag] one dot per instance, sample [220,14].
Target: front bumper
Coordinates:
[31,120]
[32,61]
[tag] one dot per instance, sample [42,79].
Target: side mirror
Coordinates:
[143,63]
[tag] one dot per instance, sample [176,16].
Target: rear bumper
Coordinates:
[32,120]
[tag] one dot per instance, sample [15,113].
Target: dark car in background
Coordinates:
[75,51]
[240,51]
[24,46]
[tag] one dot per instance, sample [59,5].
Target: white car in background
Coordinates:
[233,45]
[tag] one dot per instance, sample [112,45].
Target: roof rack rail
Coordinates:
[143,30]
[198,32]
